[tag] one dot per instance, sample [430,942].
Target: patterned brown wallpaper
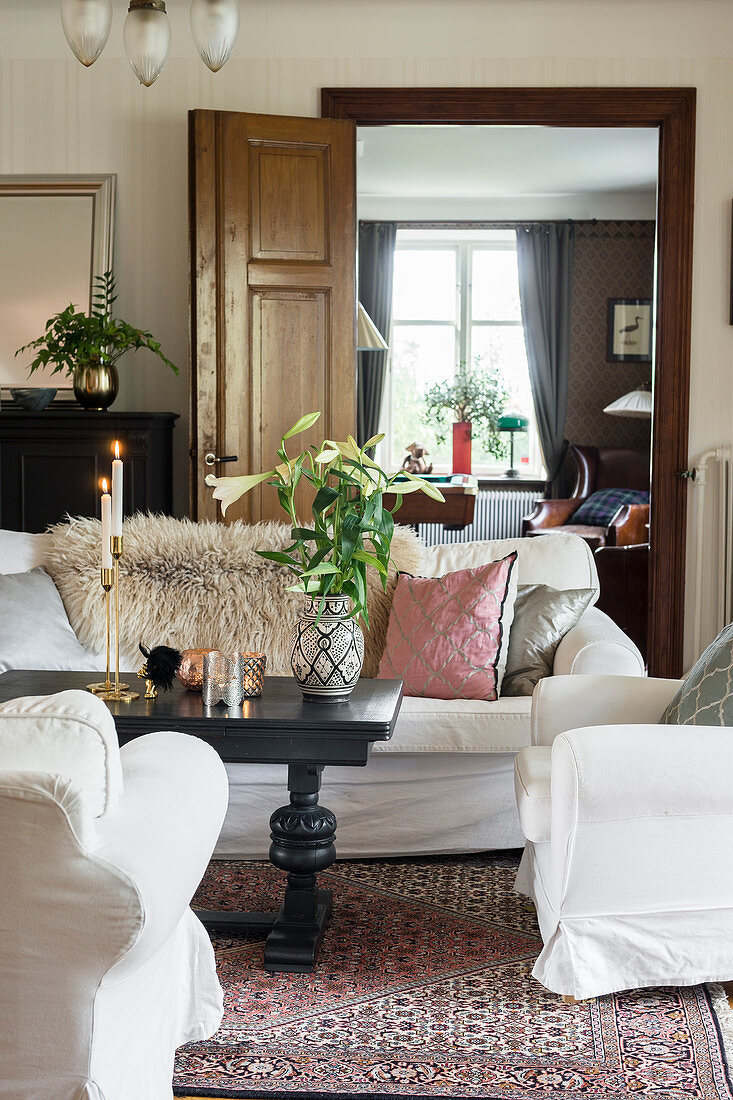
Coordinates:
[613,259]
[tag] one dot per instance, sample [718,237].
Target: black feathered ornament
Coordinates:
[161,665]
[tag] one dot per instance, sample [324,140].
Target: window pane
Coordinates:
[424,285]
[421,356]
[495,286]
[503,349]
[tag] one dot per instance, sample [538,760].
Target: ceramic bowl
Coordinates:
[33,400]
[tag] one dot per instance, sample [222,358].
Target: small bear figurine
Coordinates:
[414,462]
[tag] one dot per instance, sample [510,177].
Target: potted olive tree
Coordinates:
[86,346]
[474,400]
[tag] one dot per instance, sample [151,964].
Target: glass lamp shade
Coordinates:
[147,38]
[86,24]
[512,422]
[215,26]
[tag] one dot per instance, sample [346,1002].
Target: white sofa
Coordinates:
[629,856]
[104,969]
[444,783]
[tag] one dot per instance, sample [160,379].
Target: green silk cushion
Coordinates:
[542,617]
[706,696]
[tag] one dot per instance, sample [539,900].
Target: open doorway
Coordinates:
[671,113]
[455,201]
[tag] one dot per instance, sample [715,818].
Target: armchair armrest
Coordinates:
[597,645]
[633,808]
[562,703]
[629,527]
[163,831]
[550,513]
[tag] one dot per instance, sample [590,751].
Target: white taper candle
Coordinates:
[106,526]
[117,492]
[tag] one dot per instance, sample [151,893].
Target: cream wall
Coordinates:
[56,116]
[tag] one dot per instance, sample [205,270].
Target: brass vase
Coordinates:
[96,385]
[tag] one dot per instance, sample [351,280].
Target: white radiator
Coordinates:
[498,515]
[713,479]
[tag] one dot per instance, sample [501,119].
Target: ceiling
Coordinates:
[507,167]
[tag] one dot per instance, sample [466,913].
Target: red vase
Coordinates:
[462,447]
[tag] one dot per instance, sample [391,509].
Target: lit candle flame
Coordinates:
[104,484]
[117,448]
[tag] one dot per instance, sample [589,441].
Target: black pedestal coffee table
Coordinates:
[279,727]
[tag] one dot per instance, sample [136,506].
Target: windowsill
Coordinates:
[487,481]
[499,481]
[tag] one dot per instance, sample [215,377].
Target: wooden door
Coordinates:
[273,292]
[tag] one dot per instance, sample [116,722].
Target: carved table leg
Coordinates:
[302,844]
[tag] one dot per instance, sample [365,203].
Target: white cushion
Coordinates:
[460,725]
[21,552]
[565,561]
[34,629]
[71,734]
[532,767]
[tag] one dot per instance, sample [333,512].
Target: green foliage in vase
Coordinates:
[73,339]
[352,528]
[473,394]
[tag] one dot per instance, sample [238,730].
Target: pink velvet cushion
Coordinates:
[445,633]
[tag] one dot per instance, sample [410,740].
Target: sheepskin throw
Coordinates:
[193,585]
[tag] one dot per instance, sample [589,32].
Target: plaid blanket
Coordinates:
[600,508]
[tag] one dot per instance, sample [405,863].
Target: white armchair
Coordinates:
[104,969]
[629,855]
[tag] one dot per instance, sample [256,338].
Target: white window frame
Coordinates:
[464,244]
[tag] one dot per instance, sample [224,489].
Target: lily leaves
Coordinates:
[352,527]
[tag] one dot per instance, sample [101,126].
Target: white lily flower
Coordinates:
[230,489]
[327,455]
[302,425]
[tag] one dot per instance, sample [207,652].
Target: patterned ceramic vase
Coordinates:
[326,657]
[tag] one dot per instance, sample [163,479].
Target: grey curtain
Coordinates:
[376,275]
[545,262]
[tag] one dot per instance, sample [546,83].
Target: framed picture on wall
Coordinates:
[629,330]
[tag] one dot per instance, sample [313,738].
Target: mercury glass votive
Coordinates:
[231,677]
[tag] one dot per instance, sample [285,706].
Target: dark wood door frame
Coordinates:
[672,111]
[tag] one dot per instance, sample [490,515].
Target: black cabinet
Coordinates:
[51,463]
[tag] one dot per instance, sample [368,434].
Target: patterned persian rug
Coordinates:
[423,990]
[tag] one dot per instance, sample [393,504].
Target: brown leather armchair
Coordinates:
[598,468]
[623,574]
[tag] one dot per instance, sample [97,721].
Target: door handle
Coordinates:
[210,459]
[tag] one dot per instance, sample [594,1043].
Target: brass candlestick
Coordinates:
[108,580]
[119,691]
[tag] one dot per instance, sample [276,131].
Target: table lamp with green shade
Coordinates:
[512,422]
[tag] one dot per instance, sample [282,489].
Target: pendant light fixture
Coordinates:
[147,32]
[214,27]
[86,24]
[147,38]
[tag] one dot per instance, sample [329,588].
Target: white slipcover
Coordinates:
[71,736]
[629,857]
[104,969]
[444,783]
